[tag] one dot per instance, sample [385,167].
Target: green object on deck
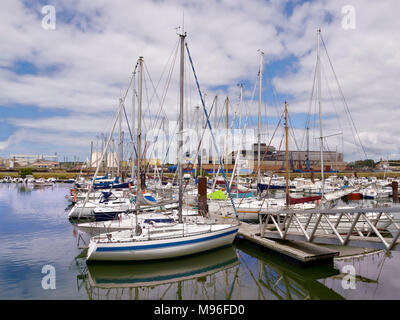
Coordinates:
[217,195]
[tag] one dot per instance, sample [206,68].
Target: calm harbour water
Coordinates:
[35,231]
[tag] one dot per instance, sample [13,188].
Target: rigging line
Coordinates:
[264,154]
[331,96]
[248,109]
[162,101]
[167,151]
[314,123]
[351,128]
[211,132]
[174,49]
[148,103]
[242,260]
[275,97]
[158,118]
[168,79]
[310,104]
[248,103]
[160,110]
[199,145]
[276,156]
[292,132]
[276,103]
[129,129]
[343,97]
[334,104]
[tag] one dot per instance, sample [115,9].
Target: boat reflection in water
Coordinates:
[276,278]
[192,277]
[241,272]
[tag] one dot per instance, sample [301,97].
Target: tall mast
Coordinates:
[197,161]
[119,144]
[286,155]
[103,164]
[91,157]
[320,111]
[180,139]
[226,129]
[139,132]
[308,149]
[259,117]
[215,128]
[133,121]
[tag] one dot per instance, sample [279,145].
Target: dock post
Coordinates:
[395,190]
[143,181]
[202,196]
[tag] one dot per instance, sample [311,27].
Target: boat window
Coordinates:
[159,220]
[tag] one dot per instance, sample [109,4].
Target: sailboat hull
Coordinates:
[161,249]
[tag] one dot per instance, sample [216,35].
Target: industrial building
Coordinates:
[273,160]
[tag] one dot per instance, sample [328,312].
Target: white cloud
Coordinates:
[96,51]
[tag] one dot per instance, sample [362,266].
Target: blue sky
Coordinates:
[60,88]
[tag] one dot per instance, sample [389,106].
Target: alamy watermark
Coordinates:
[349,18]
[49,20]
[49,280]
[164,144]
[349,280]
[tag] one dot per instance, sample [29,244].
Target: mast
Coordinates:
[180,139]
[227,129]
[308,150]
[139,133]
[259,118]
[103,164]
[91,157]
[320,111]
[113,160]
[198,160]
[133,123]
[215,127]
[286,155]
[119,144]
[97,151]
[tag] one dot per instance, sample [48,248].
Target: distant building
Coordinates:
[110,160]
[388,165]
[271,159]
[43,164]
[25,160]
[4,162]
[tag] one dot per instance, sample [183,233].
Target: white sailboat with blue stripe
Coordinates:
[151,243]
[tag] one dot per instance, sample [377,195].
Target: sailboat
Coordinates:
[146,242]
[342,225]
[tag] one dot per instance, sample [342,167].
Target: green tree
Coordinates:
[25,171]
[369,163]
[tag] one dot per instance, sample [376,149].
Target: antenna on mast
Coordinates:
[183,21]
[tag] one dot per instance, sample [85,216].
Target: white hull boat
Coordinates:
[160,243]
[128,222]
[78,211]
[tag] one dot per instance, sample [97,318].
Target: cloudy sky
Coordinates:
[61,79]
